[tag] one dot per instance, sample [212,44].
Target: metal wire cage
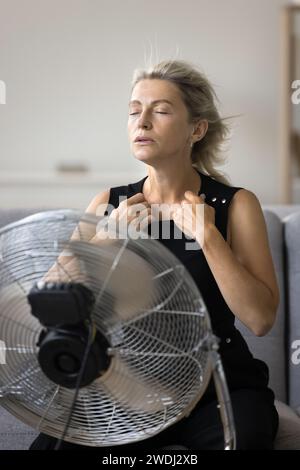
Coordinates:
[147,306]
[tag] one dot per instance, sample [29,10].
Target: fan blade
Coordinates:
[119,271]
[132,391]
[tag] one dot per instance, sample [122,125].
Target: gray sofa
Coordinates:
[278,349]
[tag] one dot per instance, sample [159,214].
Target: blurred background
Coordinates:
[65,73]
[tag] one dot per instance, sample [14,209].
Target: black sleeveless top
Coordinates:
[241,369]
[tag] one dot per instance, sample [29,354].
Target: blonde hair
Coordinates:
[199,98]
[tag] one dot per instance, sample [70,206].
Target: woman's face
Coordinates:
[166,123]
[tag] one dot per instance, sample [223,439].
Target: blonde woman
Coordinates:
[175,129]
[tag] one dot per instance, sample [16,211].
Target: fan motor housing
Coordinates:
[61,352]
[56,303]
[64,309]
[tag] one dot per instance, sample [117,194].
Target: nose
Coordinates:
[144,122]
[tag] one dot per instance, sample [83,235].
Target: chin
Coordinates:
[144,156]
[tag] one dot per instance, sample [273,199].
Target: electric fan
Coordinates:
[126,309]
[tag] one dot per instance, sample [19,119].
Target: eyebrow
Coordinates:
[152,102]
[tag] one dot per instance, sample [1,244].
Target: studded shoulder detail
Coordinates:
[219,196]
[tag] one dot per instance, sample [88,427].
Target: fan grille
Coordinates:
[147,306]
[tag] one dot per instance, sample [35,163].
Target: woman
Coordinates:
[175,129]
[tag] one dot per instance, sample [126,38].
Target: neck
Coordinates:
[168,187]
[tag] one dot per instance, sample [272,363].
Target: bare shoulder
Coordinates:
[99,203]
[244,201]
[245,215]
[97,206]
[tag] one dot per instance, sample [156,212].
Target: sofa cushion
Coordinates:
[282,210]
[288,435]
[292,246]
[14,435]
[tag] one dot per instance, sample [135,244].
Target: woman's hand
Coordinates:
[193,217]
[134,212]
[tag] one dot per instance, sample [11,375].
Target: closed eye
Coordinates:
[157,112]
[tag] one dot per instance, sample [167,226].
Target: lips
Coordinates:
[144,139]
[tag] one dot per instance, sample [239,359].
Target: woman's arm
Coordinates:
[66,267]
[245,272]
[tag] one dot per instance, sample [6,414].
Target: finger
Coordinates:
[142,214]
[193,197]
[138,208]
[141,223]
[136,198]
[187,207]
[136,218]
[190,194]
[148,219]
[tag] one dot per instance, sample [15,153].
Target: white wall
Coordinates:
[67,65]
